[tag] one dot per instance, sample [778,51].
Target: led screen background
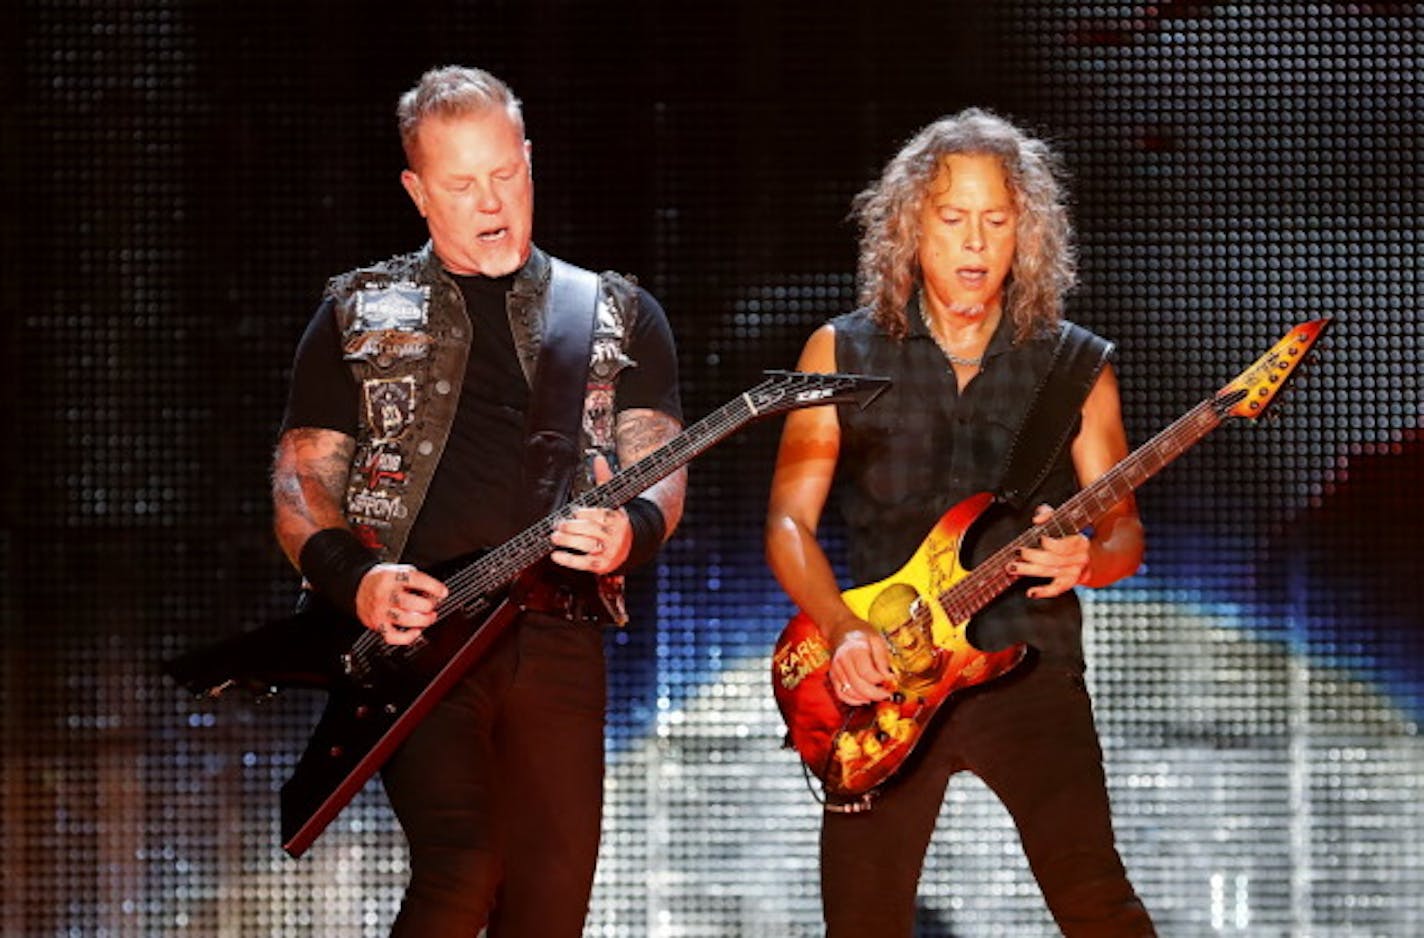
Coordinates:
[182,176]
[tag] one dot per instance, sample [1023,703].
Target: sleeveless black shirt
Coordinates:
[923,447]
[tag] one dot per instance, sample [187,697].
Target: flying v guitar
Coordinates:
[378,693]
[854,750]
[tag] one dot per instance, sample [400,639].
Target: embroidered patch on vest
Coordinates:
[610,334]
[388,323]
[375,509]
[378,498]
[390,405]
[607,360]
[403,305]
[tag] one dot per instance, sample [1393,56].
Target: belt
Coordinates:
[577,602]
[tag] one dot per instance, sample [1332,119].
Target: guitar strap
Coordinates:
[1051,419]
[554,422]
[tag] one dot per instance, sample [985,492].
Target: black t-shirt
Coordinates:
[474,494]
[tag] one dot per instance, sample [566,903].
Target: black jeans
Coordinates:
[500,790]
[1031,738]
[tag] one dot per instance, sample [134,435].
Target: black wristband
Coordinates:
[649,529]
[334,560]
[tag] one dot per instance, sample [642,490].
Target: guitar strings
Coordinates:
[530,545]
[962,600]
[492,572]
[499,568]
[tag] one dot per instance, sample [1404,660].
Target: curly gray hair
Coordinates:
[888,210]
[452,91]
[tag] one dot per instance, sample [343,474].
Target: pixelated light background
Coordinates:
[181,176]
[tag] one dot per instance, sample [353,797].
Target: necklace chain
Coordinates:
[943,347]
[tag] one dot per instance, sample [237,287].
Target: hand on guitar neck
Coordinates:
[867,665]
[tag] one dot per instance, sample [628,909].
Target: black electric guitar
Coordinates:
[379,692]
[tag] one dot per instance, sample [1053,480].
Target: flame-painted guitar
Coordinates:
[379,692]
[925,608]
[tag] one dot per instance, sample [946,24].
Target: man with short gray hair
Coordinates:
[441,401]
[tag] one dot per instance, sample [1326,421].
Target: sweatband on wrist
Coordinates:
[334,560]
[649,528]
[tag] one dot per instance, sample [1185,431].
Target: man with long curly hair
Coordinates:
[966,254]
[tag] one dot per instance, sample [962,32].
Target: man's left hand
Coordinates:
[1063,561]
[594,539]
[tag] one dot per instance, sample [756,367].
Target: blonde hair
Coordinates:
[888,211]
[452,91]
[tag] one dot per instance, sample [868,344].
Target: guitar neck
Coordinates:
[499,567]
[991,577]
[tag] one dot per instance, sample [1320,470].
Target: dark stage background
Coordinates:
[182,176]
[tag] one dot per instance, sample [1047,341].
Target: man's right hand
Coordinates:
[860,666]
[398,601]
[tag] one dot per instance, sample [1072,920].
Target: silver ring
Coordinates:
[845,686]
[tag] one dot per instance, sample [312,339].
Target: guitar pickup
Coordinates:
[356,668]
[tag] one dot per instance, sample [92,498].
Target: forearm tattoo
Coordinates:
[639,432]
[309,475]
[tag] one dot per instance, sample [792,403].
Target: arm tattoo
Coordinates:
[309,474]
[639,432]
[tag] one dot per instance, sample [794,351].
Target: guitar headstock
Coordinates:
[1251,392]
[791,390]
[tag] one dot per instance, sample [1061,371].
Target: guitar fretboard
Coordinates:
[498,568]
[781,391]
[991,577]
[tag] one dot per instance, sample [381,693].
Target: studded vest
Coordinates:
[406,337]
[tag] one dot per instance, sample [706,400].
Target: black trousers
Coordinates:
[1031,738]
[500,790]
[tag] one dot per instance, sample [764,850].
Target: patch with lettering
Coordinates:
[383,465]
[386,348]
[390,405]
[375,509]
[402,305]
[387,322]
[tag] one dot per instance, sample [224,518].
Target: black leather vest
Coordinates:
[406,337]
